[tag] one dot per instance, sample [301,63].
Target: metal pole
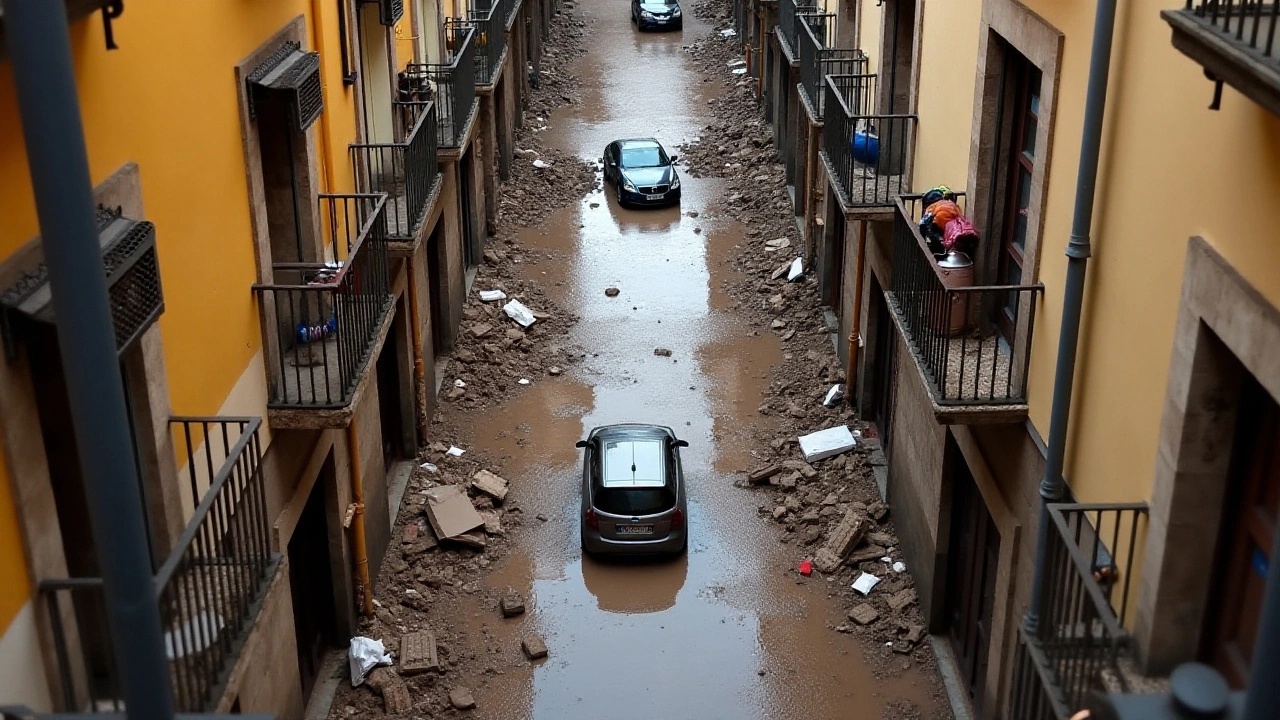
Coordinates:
[40,50]
[1078,252]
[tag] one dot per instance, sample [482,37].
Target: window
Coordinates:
[639,157]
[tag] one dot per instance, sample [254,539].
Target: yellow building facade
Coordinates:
[247,169]
[1169,484]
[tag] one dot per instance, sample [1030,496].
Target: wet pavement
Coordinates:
[729,630]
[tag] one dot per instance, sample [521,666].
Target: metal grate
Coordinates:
[290,76]
[132,269]
[389,11]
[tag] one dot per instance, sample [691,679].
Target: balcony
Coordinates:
[789,13]
[405,171]
[451,87]
[866,154]
[208,588]
[1080,642]
[818,60]
[1235,41]
[490,26]
[323,319]
[971,342]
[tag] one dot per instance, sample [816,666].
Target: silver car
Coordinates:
[633,494]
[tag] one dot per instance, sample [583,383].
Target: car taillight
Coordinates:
[677,519]
[591,520]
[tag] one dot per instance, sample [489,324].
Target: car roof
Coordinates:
[638,143]
[634,461]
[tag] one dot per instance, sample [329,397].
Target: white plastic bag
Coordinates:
[865,582]
[365,655]
[491,295]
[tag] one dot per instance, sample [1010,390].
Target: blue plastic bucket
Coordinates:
[865,148]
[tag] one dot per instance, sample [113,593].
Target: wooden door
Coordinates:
[1249,524]
[972,560]
[1025,80]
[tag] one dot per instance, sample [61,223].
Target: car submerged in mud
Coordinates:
[633,491]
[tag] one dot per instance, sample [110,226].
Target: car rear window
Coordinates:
[635,501]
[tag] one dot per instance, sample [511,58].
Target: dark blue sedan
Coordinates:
[657,14]
[641,172]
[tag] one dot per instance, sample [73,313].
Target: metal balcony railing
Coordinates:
[868,153]
[490,26]
[789,12]
[973,341]
[327,315]
[451,86]
[1235,41]
[207,588]
[1081,631]
[405,171]
[1248,24]
[818,60]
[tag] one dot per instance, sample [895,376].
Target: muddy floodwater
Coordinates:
[729,630]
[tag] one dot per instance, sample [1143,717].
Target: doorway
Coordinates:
[375,76]
[466,185]
[973,556]
[1249,519]
[832,277]
[438,282]
[392,391]
[882,360]
[311,581]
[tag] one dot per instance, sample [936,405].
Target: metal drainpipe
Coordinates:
[360,545]
[40,50]
[1078,252]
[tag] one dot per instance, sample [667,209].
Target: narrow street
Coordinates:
[729,631]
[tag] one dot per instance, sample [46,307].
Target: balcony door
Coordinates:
[311,582]
[375,76]
[430,44]
[1249,523]
[1023,117]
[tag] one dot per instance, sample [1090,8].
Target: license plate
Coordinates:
[653,197]
[635,529]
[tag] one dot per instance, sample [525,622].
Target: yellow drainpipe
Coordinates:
[360,549]
[419,368]
[317,41]
[855,326]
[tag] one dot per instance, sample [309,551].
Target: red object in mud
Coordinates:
[806,568]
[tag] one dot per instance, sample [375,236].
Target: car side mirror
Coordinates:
[675,159]
[682,443]
[582,444]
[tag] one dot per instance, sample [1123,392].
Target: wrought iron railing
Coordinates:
[326,315]
[451,86]
[869,154]
[1248,24]
[1080,632]
[207,588]
[405,171]
[973,341]
[817,60]
[789,12]
[489,24]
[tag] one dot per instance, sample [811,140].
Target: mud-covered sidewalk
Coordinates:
[732,629]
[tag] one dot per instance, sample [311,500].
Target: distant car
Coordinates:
[649,14]
[633,491]
[641,172]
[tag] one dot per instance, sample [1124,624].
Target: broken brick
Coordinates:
[864,614]
[534,647]
[418,653]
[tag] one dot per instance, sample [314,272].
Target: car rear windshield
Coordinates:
[639,157]
[634,501]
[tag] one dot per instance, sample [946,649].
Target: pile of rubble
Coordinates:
[829,510]
[544,179]
[454,522]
